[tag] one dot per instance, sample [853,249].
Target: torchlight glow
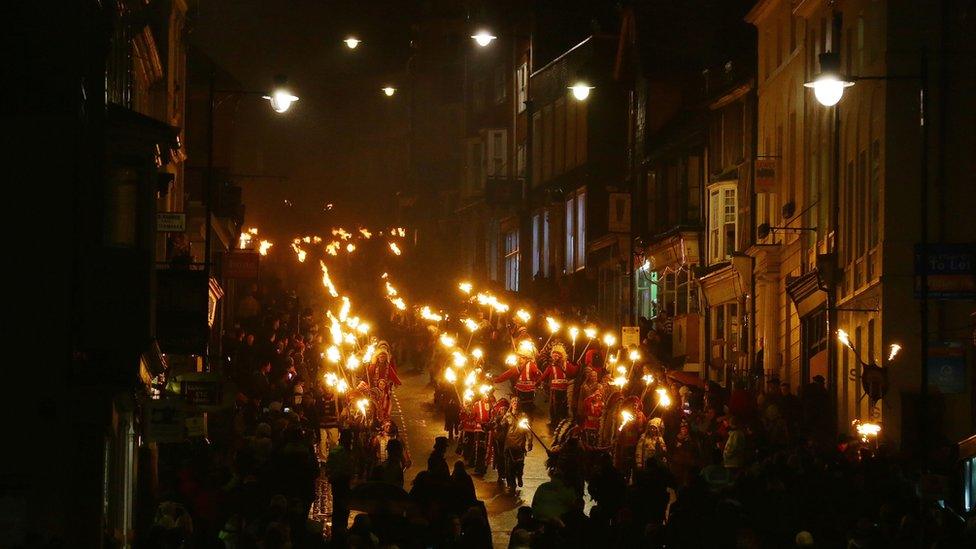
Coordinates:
[553,324]
[471,325]
[648,379]
[844,339]
[574,333]
[633,355]
[448,341]
[526,346]
[524,423]
[867,430]
[478,353]
[394,248]
[619,381]
[332,353]
[590,332]
[894,351]
[663,398]
[449,375]
[459,359]
[626,416]
[609,339]
[342,386]
[264,247]
[362,404]
[465,287]
[523,315]
[468,395]
[511,359]
[353,363]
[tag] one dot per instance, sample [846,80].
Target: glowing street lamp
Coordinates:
[829,85]
[389,91]
[483,38]
[281,100]
[581,91]
[352,42]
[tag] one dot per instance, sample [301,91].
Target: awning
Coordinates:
[807,292]
[728,282]
[686,378]
[152,363]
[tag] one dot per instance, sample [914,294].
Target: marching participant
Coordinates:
[559,374]
[592,413]
[526,376]
[474,422]
[382,367]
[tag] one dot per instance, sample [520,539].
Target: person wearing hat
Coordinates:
[382,368]
[592,414]
[498,430]
[474,421]
[559,374]
[526,376]
[651,444]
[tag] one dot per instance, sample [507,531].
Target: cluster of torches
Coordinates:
[342,241]
[246,240]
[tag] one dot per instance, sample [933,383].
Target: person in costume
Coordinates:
[559,374]
[525,375]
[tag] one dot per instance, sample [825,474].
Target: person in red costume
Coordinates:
[474,422]
[382,367]
[559,374]
[592,413]
[526,376]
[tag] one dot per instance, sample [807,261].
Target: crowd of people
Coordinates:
[655,460]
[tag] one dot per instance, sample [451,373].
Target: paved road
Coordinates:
[414,410]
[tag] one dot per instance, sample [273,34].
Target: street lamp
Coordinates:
[581,90]
[352,42]
[281,100]
[829,85]
[483,38]
[389,91]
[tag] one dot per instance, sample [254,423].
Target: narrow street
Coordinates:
[421,424]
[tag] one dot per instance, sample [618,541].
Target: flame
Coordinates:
[470,379]
[483,298]
[866,430]
[363,328]
[362,404]
[523,315]
[612,359]
[264,246]
[477,353]
[465,287]
[327,280]
[471,325]
[316,240]
[331,379]
[523,423]
[526,346]
[626,416]
[620,381]
[335,330]
[609,339]
[894,351]
[365,232]
[400,232]
[590,332]
[350,247]
[663,398]
[390,290]
[341,233]
[553,324]
[633,355]
[459,359]
[332,353]
[353,363]
[511,359]
[344,311]
[333,248]
[574,333]
[468,395]
[342,386]
[244,240]
[299,252]
[426,313]
[484,390]
[307,239]
[447,341]
[349,339]
[368,354]
[844,339]
[353,322]
[253,231]
[648,379]
[622,370]
[449,375]
[394,248]
[399,303]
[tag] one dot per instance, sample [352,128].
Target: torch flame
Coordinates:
[344,311]
[526,346]
[471,325]
[394,248]
[523,423]
[867,430]
[331,379]
[350,247]
[894,351]
[449,375]
[648,379]
[663,398]
[553,324]
[327,280]
[362,404]
[620,381]
[426,313]
[574,333]
[609,339]
[470,379]
[590,332]
[626,416]
[459,359]
[399,303]
[511,359]
[523,315]
[477,353]
[633,355]
[390,290]
[342,386]
[844,339]
[264,247]
[447,341]
[363,328]
[353,363]
[333,247]
[244,240]
[465,287]
[332,353]
[365,232]
[484,390]
[468,395]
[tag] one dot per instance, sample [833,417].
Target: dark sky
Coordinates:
[332,146]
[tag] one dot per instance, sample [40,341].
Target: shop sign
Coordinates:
[241,264]
[950,270]
[165,421]
[765,175]
[629,336]
[171,222]
[947,367]
[619,220]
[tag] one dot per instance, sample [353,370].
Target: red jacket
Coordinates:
[593,410]
[526,377]
[559,376]
[476,416]
[387,372]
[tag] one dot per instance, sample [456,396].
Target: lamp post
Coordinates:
[280,99]
[829,87]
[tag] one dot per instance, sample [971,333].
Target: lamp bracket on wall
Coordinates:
[763,230]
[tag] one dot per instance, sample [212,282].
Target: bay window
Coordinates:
[722,221]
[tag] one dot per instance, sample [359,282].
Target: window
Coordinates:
[693,185]
[725,332]
[559,136]
[580,230]
[547,120]
[501,90]
[570,265]
[493,245]
[522,85]
[497,153]
[647,293]
[571,159]
[722,217]
[512,260]
[874,195]
[540,244]
[537,149]
[474,168]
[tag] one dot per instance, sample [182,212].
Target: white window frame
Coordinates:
[721,214]
[522,86]
[581,229]
[575,243]
[512,260]
[536,243]
[496,159]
